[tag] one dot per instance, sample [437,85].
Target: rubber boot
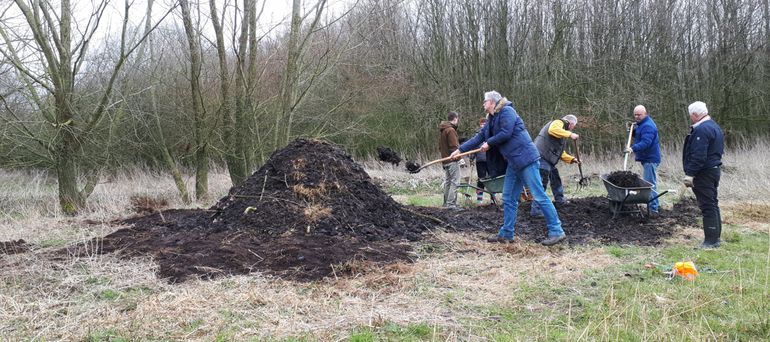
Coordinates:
[712,229]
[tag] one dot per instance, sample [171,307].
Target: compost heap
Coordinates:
[306,214]
[625,179]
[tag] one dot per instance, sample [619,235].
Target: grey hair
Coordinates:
[699,108]
[570,118]
[493,96]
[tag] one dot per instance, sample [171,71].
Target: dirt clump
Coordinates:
[388,155]
[584,220]
[625,179]
[412,166]
[14,247]
[306,212]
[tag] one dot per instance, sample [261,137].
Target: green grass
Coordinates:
[729,300]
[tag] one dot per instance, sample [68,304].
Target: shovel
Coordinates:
[583,182]
[628,145]
[415,167]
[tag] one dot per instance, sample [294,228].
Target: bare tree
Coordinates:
[55,74]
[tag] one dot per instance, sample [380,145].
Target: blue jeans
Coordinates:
[650,174]
[549,172]
[515,180]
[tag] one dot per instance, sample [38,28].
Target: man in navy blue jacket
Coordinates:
[646,148]
[702,159]
[504,133]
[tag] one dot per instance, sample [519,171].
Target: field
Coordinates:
[454,286]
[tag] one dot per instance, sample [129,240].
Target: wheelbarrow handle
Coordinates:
[660,194]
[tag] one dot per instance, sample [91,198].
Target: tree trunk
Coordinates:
[289,89]
[236,165]
[201,140]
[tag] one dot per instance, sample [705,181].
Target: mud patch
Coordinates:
[14,247]
[584,220]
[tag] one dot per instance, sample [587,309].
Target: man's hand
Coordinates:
[574,136]
[575,161]
[484,147]
[455,154]
[628,150]
[688,181]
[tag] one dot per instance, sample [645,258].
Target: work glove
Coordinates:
[628,150]
[688,181]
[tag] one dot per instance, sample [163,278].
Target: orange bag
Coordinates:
[685,270]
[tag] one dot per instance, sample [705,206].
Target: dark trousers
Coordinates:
[705,185]
[482,172]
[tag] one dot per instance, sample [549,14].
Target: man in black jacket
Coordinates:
[702,159]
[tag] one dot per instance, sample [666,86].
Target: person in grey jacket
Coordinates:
[551,142]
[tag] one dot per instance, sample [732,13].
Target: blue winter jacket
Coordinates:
[505,134]
[646,144]
[703,148]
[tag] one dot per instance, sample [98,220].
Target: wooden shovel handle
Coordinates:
[450,158]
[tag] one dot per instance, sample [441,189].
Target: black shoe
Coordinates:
[494,238]
[554,240]
[710,245]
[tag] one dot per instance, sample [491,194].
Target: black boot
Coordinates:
[712,230]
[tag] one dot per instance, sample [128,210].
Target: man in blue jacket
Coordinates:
[646,148]
[702,159]
[504,133]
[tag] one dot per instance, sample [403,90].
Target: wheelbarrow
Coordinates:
[629,200]
[494,186]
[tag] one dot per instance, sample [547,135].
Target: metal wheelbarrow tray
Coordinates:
[494,186]
[627,200]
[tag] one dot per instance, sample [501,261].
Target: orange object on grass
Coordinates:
[685,270]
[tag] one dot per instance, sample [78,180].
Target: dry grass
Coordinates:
[75,297]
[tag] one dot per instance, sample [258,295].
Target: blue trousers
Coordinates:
[649,174]
[515,180]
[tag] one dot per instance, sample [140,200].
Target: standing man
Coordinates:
[702,159]
[550,143]
[646,148]
[504,133]
[448,143]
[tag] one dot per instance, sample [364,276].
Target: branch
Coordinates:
[98,113]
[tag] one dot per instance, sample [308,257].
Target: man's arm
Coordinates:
[506,123]
[556,130]
[646,136]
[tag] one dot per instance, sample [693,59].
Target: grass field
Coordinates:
[458,289]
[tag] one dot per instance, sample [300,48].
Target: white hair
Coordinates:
[699,108]
[570,118]
[492,96]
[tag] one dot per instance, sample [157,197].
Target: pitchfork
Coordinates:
[584,181]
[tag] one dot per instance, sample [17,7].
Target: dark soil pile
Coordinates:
[584,220]
[14,247]
[625,179]
[387,155]
[412,166]
[304,215]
